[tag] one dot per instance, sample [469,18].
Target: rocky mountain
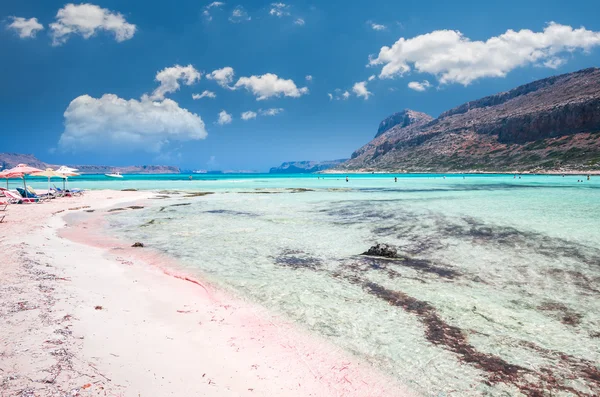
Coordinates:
[547,125]
[9,160]
[402,119]
[305,167]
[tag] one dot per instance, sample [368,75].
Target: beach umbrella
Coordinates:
[23,169]
[48,173]
[7,175]
[66,172]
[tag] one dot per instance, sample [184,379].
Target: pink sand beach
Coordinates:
[83,314]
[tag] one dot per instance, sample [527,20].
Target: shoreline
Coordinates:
[470,172]
[103,318]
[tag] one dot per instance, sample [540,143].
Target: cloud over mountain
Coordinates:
[454,58]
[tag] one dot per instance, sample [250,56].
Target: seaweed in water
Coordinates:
[528,381]
[297,260]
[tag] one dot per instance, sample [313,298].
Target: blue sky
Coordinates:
[58,69]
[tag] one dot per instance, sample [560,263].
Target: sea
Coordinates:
[495,290]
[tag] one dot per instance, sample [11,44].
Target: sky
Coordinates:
[247,85]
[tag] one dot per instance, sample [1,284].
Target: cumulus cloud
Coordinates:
[360,89]
[205,94]
[224,118]
[330,95]
[270,85]
[239,15]
[214,4]
[422,86]
[454,58]
[249,115]
[223,76]
[279,9]
[169,79]
[299,22]
[339,95]
[114,123]
[345,95]
[376,26]
[372,77]
[261,112]
[309,78]
[25,28]
[270,112]
[86,20]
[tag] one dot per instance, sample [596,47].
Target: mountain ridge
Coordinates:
[10,160]
[551,124]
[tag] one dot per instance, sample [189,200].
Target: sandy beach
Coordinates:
[88,315]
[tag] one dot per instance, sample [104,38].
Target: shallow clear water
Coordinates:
[497,292]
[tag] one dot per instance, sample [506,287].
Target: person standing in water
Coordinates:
[346,179]
[395,179]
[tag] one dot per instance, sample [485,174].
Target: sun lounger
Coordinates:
[14,199]
[28,195]
[72,192]
[40,195]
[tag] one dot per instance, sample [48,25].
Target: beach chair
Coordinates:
[14,199]
[72,192]
[48,195]
[28,195]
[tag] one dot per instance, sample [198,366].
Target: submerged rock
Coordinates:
[383,250]
[138,244]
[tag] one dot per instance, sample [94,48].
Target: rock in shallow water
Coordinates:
[138,244]
[383,250]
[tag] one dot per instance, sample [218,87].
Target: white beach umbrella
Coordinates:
[66,172]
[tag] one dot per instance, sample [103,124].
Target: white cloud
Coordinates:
[309,78]
[223,76]
[169,79]
[454,58]
[269,85]
[214,4]
[224,118]
[239,15]
[249,115]
[270,112]
[330,96]
[205,94]
[372,77]
[345,95]
[113,123]
[360,89]
[554,63]
[86,20]
[422,86]
[376,26]
[299,22]
[25,28]
[279,9]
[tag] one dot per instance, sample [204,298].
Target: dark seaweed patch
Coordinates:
[561,312]
[230,212]
[529,382]
[421,265]
[297,260]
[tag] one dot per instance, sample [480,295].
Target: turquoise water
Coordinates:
[496,292]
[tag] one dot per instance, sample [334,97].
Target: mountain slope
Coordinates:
[547,125]
[10,160]
[304,167]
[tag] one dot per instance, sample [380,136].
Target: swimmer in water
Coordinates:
[190,177]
